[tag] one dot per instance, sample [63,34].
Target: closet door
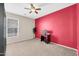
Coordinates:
[2,30]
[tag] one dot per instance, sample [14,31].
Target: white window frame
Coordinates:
[8,18]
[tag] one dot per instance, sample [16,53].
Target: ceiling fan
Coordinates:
[33,9]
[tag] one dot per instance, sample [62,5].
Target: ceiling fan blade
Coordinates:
[38,8]
[27,8]
[36,12]
[32,6]
[30,12]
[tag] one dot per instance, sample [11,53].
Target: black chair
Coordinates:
[42,38]
[46,39]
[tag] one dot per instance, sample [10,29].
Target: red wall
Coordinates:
[78,28]
[61,24]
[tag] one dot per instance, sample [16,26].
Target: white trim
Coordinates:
[7,26]
[62,45]
[65,46]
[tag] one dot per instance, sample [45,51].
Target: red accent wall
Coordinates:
[61,24]
[78,28]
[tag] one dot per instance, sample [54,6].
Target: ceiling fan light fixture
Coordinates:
[33,9]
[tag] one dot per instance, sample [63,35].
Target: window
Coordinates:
[12,27]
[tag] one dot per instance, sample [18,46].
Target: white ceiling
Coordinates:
[47,8]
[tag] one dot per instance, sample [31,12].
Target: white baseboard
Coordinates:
[18,41]
[64,46]
[67,47]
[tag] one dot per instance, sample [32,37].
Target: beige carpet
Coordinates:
[37,48]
